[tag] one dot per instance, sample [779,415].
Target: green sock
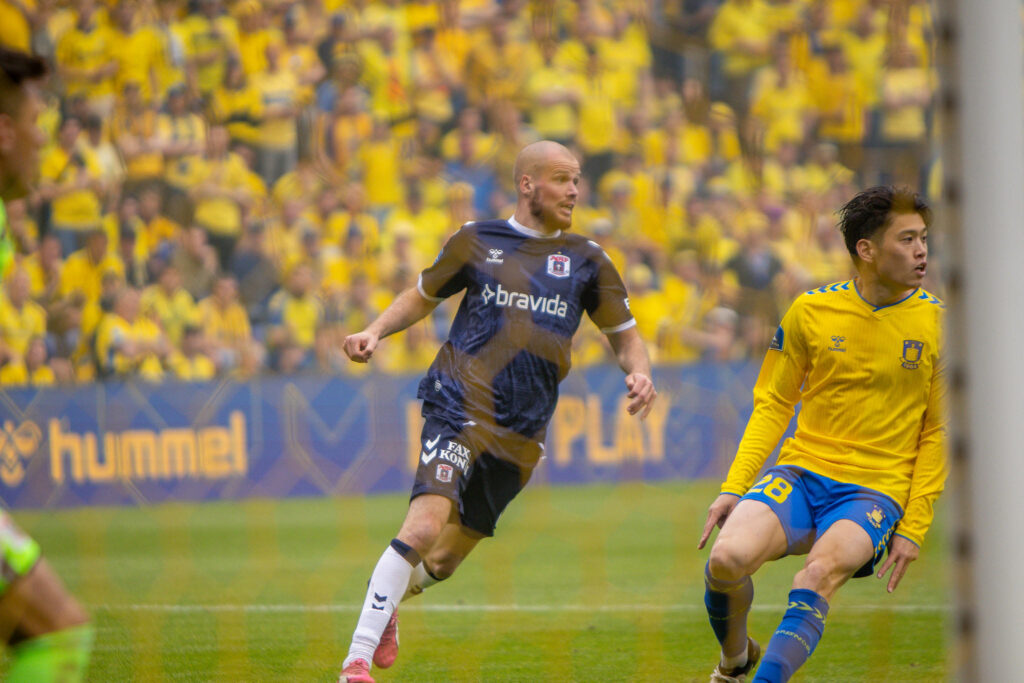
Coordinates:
[57,657]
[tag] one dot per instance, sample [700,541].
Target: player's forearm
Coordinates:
[926,485]
[408,308]
[930,467]
[631,352]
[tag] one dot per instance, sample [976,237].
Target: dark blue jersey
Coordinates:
[509,345]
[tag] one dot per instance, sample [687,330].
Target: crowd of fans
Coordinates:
[232,187]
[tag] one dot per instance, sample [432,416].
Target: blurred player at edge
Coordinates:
[491,390]
[867,461]
[48,631]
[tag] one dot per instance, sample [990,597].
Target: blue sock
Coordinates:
[795,639]
[728,603]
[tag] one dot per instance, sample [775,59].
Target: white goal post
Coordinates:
[982,113]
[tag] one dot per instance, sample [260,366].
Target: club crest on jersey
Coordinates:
[444,473]
[912,352]
[558,265]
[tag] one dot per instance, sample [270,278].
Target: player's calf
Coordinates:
[796,637]
[728,603]
[386,586]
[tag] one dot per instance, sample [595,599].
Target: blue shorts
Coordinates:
[807,504]
[460,461]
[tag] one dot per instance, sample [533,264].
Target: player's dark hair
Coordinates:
[16,69]
[871,211]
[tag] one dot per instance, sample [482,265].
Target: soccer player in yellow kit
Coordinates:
[866,464]
[47,630]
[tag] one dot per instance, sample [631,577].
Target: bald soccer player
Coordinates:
[491,390]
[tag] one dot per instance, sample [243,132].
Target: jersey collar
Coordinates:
[530,232]
[875,308]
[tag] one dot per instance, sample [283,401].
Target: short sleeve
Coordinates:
[447,275]
[606,300]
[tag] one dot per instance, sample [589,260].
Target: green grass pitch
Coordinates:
[587,583]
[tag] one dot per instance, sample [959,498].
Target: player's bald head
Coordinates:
[537,156]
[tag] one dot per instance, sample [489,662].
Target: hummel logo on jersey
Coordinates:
[428,452]
[495,256]
[527,302]
[837,343]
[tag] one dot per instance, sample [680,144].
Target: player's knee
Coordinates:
[74,614]
[821,575]
[421,532]
[727,563]
[442,563]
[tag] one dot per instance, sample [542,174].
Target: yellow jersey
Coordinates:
[19,325]
[113,333]
[871,384]
[197,368]
[16,33]
[17,373]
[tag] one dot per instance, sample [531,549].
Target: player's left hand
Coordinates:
[902,552]
[641,390]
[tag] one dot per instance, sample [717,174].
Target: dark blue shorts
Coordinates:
[457,461]
[807,504]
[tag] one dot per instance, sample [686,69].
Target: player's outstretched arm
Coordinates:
[902,552]
[408,308]
[717,514]
[631,353]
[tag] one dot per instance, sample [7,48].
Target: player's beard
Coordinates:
[544,218]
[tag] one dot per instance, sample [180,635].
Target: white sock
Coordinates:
[390,577]
[418,582]
[734,661]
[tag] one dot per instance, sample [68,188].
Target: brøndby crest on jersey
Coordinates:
[558,265]
[912,351]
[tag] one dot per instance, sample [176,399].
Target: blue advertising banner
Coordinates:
[134,443]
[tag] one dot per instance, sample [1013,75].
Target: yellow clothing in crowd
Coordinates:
[82,274]
[79,207]
[227,327]
[114,334]
[19,326]
[197,368]
[17,373]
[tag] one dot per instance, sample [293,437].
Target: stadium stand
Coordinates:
[232,187]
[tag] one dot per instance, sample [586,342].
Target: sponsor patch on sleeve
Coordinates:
[776,344]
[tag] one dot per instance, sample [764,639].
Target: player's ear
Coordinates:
[525,184]
[866,250]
